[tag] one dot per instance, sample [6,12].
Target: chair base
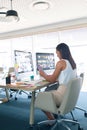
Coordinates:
[85,112]
[19,92]
[62,122]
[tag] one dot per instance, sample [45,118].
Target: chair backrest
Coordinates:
[71,96]
[46,102]
[11,70]
[1,69]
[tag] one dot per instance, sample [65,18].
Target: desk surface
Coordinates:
[27,86]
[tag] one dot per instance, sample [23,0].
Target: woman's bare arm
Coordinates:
[53,77]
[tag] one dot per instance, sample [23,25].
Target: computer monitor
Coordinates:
[23,61]
[45,60]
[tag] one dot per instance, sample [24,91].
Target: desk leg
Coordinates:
[2,100]
[7,94]
[31,121]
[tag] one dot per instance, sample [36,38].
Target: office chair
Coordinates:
[1,76]
[45,101]
[1,73]
[1,69]
[12,91]
[11,71]
[77,107]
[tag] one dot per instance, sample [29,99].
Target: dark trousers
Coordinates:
[53,86]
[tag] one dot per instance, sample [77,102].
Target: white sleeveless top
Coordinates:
[67,74]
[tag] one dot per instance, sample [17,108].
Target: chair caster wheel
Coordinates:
[29,96]
[80,128]
[10,95]
[85,114]
[15,98]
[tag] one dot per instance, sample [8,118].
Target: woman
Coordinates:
[64,71]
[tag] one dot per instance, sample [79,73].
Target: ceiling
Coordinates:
[33,17]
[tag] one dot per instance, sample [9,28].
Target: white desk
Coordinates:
[32,86]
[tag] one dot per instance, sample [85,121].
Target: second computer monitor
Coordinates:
[45,60]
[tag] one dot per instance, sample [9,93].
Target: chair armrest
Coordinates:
[45,101]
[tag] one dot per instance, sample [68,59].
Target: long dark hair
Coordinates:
[66,54]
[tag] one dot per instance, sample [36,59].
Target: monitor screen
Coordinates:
[45,60]
[23,61]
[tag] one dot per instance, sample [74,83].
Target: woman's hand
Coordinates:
[42,73]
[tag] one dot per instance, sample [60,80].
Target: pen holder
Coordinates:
[32,77]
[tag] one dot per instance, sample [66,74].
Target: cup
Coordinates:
[32,77]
